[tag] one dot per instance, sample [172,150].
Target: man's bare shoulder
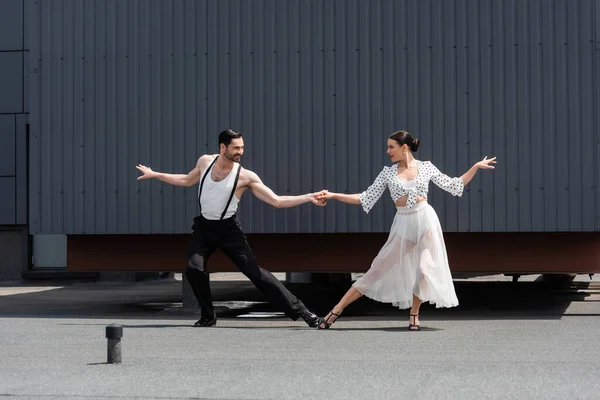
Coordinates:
[248,176]
[204,160]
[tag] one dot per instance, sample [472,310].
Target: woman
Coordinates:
[412,266]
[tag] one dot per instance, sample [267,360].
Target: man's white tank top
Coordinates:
[215,195]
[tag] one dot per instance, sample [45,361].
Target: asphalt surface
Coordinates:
[505,340]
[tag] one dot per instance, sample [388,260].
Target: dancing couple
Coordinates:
[411,268]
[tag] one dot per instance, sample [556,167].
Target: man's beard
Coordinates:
[232,157]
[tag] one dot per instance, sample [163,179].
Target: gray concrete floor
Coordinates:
[505,340]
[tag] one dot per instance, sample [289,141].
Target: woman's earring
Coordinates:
[403,152]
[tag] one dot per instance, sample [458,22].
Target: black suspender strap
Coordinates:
[202,182]
[237,177]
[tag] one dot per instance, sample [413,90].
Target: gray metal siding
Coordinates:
[11,82]
[596,94]
[11,25]
[7,169]
[13,141]
[316,87]
[21,204]
[7,200]
[7,150]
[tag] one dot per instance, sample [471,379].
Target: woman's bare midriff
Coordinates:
[401,202]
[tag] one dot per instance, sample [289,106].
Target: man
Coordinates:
[222,181]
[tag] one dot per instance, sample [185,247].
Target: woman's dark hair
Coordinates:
[403,138]
[227,135]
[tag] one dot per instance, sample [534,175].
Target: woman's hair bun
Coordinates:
[414,146]
[403,138]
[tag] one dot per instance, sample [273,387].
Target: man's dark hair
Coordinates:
[227,135]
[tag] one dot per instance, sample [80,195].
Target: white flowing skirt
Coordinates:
[412,261]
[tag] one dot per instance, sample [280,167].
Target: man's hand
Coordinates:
[188,179]
[147,172]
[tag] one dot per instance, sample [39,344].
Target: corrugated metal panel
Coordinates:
[12,149]
[596,94]
[11,82]
[21,170]
[11,25]
[7,145]
[7,200]
[316,87]
[7,169]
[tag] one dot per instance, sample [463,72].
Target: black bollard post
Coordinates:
[114,333]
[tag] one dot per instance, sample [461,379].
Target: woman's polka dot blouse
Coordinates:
[388,177]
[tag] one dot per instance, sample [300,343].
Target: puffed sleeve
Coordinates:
[454,186]
[369,197]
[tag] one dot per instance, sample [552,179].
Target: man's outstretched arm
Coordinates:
[265,194]
[188,179]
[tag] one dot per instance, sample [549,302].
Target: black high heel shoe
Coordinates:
[411,326]
[326,324]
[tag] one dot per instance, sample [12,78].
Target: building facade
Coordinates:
[315,87]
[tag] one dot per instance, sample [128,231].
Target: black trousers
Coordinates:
[227,235]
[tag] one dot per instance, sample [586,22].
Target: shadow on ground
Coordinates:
[237,299]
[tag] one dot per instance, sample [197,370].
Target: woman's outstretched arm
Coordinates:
[344,198]
[483,164]
[367,199]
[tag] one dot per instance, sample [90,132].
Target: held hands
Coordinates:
[326,195]
[320,198]
[317,198]
[147,172]
[486,163]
